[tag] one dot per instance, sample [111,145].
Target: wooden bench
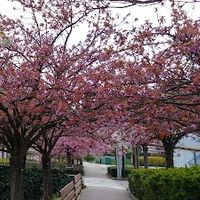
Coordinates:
[72,190]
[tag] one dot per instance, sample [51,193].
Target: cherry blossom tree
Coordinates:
[178,102]
[154,83]
[80,146]
[160,83]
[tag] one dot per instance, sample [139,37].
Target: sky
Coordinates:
[137,11]
[141,13]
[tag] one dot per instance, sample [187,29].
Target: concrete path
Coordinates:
[100,187]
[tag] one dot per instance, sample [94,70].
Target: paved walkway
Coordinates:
[100,187]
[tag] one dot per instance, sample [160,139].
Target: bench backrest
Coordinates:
[72,189]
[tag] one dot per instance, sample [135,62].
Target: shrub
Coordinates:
[4,182]
[60,179]
[89,158]
[112,171]
[161,184]
[32,164]
[155,161]
[32,182]
[4,161]
[75,170]
[59,164]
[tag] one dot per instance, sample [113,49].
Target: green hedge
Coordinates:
[112,171]
[4,161]
[75,170]
[4,182]
[161,184]
[154,161]
[33,182]
[89,158]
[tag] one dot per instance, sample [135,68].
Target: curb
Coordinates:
[118,179]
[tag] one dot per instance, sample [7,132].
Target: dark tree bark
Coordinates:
[81,161]
[47,176]
[123,166]
[69,158]
[45,146]
[17,167]
[135,157]
[146,160]
[169,154]
[169,143]
[17,143]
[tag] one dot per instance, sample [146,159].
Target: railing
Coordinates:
[72,190]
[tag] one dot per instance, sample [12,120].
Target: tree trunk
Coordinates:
[17,167]
[135,157]
[195,158]
[81,161]
[145,152]
[169,154]
[47,175]
[69,159]
[123,166]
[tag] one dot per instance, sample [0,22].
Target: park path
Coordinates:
[100,187]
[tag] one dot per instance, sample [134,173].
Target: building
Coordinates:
[187,151]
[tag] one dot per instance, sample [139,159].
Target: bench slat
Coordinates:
[66,190]
[78,184]
[78,191]
[77,177]
[70,196]
[72,189]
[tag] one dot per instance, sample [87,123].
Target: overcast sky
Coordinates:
[142,13]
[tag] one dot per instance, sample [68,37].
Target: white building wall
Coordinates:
[187,152]
[183,158]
